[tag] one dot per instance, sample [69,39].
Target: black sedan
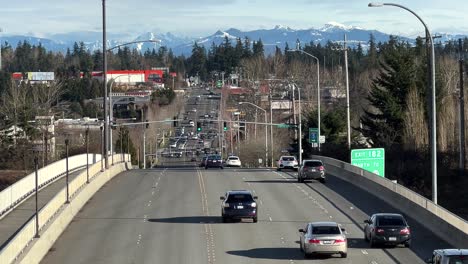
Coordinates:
[214,161]
[387,229]
[239,204]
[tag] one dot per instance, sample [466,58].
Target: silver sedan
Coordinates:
[323,238]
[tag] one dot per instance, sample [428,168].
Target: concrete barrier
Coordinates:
[13,195]
[439,220]
[55,216]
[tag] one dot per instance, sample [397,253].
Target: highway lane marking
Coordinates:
[364,252]
[374,262]
[139,239]
[271,220]
[209,234]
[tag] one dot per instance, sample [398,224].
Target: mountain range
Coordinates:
[180,45]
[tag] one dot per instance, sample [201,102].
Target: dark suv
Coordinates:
[214,161]
[239,204]
[388,229]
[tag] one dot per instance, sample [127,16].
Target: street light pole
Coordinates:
[266,128]
[318,90]
[104,75]
[433,112]
[300,127]
[348,118]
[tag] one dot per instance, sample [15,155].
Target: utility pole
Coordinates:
[461,134]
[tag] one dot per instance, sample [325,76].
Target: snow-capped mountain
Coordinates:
[271,38]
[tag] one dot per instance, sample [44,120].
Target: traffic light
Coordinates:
[199,126]
[225,126]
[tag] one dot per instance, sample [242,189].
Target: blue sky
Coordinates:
[203,17]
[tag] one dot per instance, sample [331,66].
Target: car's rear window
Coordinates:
[390,221]
[239,198]
[325,230]
[313,164]
[288,158]
[233,158]
[458,260]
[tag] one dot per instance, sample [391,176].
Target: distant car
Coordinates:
[387,229]
[449,256]
[203,161]
[311,169]
[287,162]
[214,161]
[239,204]
[323,238]
[193,159]
[233,161]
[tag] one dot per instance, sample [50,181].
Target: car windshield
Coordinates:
[214,157]
[325,230]
[390,221]
[240,198]
[288,158]
[313,164]
[458,259]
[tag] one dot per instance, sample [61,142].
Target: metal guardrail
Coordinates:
[22,189]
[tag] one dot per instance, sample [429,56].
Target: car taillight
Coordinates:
[380,231]
[340,241]
[226,205]
[405,231]
[314,241]
[253,204]
[321,168]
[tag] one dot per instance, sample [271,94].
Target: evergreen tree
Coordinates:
[383,123]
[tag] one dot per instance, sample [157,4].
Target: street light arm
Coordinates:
[254,106]
[298,50]
[133,42]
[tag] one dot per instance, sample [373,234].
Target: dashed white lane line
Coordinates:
[139,239]
[271,220]
[261,202]
[364,252]
[374,262]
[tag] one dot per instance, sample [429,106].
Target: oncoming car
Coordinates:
[239,204]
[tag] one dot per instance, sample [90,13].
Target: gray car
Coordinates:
[449,256]
[323,238]
[311,170]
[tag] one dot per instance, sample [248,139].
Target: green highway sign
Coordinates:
[282,126]
[372,159]
[313,135]
[219,83]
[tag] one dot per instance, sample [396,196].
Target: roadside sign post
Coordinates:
[313,137]
[372,159]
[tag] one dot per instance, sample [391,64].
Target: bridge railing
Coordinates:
[20,190]
[27,233]
[442,222]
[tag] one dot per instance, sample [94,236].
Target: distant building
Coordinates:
[34,77]
[132,78]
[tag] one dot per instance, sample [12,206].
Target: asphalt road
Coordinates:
[173,216]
